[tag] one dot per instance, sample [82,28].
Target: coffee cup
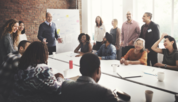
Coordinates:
[160,76]
[114,67]
[149,95]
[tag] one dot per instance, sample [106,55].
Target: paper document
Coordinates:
[129,74]
[72,54]
[74,78]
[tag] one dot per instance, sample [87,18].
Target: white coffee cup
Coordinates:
[114,67]
[149,95]
[160,76]
[54,53]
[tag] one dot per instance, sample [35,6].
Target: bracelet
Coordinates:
[165,66]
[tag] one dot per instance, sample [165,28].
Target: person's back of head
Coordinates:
[85,89]
[36,53]
[90,66]
[22,46]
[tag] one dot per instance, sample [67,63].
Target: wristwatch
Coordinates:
[165,66]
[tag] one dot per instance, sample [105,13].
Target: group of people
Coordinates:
[26,77]
[11,33]
[131,45]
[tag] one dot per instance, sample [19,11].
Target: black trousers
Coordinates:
[97,46]
[119,53]
[126,49]
[51,49]
[152,58]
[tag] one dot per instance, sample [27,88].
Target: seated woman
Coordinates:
[35,81]
[136,55]
[170,59]
[8,38]
[85,45]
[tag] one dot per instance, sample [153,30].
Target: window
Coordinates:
[164,13]
[108,10]
[142,6]
[175,24]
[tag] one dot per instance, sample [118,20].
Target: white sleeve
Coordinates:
[104,31]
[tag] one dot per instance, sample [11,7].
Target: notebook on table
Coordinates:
[129,74]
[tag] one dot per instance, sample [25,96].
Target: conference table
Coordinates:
[136,91]
[170,83]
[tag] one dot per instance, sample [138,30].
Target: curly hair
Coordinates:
[36,53]
[7,27]
[87,37]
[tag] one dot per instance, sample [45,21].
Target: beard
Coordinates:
[104,42]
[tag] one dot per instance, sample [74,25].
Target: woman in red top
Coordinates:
[136,55]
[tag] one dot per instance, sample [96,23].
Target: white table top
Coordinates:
[137,92]
[170,82]
[60,67]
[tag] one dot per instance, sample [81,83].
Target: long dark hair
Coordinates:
[36,53]
[7,27]
[101,21]
[87,37]
[23,31]
[171,39]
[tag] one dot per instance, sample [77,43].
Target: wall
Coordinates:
[85,16]
[32,12]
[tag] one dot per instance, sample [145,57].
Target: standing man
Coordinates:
[130,32]
[150,32]
[48,32]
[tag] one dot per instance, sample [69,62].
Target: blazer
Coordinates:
[151,36]
[85,89]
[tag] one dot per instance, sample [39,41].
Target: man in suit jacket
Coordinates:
[86,89]
[47,33]
[150,32]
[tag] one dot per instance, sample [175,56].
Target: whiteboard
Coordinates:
[68,27]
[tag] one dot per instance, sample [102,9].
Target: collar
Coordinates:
[107,46]
[130,22]
[85,79]
[48,23]
[147,24]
